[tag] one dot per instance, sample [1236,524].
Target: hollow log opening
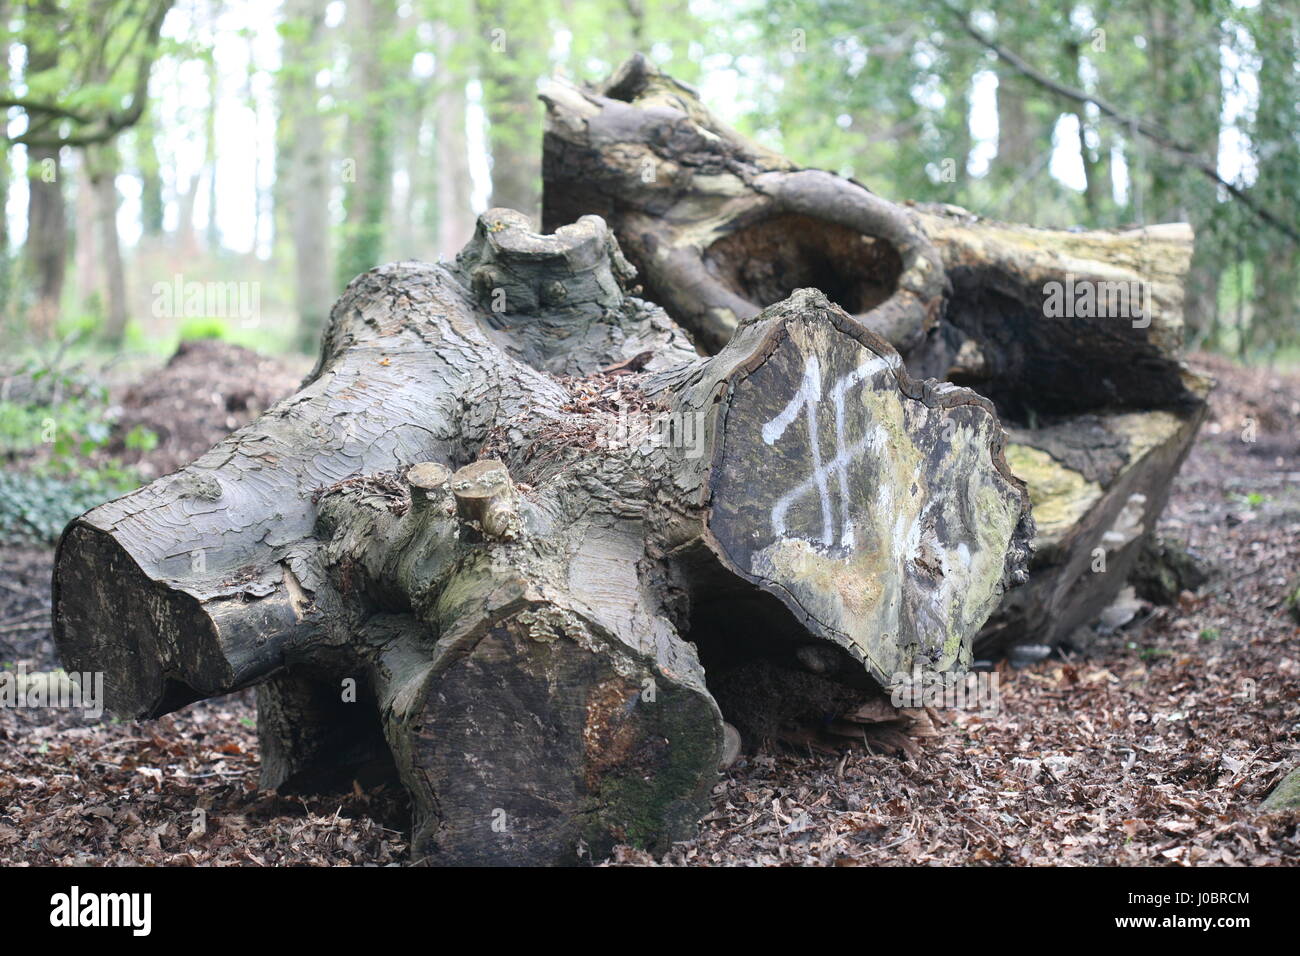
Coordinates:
[765,262]
[1034,366]
[318,735]
[770,680]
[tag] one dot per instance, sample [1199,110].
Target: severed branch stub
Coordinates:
[1073,335]
[514,591]
[486,500]
[428,481]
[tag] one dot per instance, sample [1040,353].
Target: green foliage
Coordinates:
[141,439]
[205,328]
[881,91]
[61,410]
[59,425]
[86,67]
[35,508]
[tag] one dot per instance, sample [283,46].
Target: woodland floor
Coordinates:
[1153,745]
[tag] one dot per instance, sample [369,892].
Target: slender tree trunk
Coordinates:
[506,64]
[187,240]
[47,228]
[151,185]
[1096,172]
[1277,262]
[47,236]
[369,142]
[455,216]
[102,166]
[1162,197]
[5,170]
[303,179]
[1023,146]
[213,231]
[88,263]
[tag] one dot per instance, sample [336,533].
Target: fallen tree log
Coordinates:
[1074,336]
[442,559]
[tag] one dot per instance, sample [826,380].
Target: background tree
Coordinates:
[389,126]
[302,185]
[367,163]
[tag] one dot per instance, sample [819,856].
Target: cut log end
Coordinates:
[486,500]
[541,741]
[152,642]
[887,520]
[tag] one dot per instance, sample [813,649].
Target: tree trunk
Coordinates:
[101,163]
[6,171]
[1024,147]
[149,168]
[45,250]
[1074,336]
[306,173]
[88,263]
[368,168]
[47,232]
[455,217]
[212,235]
[187,238]
[441,558]
[508,53]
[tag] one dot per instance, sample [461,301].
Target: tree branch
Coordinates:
[1156,134]
[114,123]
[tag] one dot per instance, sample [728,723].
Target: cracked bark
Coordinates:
[487,543]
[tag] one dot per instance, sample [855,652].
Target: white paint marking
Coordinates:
[807,399]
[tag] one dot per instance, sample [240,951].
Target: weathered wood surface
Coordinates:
[1074,336]
[441,560]
[719,227]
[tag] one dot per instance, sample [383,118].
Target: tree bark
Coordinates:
[149,169]
[45,248]
[47,231]
[1073,336]
[87,262]
[6,172]
[441,557]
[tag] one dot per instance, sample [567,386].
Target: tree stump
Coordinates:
[1073,336]
[489,542]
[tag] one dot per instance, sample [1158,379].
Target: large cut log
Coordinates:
[1073,335]
[442,559]
[1076,337]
